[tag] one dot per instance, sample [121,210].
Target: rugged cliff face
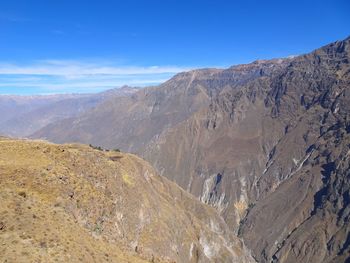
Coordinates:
[305,187]
[73,203]
[133,123]
[265,143]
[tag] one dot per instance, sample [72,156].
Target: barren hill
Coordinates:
[72,203]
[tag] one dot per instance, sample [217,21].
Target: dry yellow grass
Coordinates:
[71,203]
[35,227]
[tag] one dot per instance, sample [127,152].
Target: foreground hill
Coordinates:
[266,143]
[71,203]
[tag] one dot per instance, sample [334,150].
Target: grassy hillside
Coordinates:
[71,203]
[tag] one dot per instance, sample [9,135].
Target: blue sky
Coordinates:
[88,46]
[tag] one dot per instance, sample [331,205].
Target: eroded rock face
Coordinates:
[176,127]
[276,143]
[265,143]
[306,184]
[73,203]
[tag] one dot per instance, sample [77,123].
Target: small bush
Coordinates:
[23,194]
[98,228]
[251,205]
[99,148]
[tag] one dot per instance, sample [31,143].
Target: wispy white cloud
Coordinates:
[58,76]
[11,17]
[57,32]
[70,68]
[57,86]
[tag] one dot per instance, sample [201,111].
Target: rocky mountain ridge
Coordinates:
[265,143]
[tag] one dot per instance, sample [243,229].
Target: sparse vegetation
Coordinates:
[98,228]
[250,206]
[242,221]
[99,148]
[38,220]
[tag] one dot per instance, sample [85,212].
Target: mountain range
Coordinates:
[266,144]
[23,115]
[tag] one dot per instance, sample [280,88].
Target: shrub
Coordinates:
[99,148]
